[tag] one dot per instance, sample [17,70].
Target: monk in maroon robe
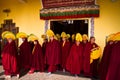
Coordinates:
[25,54]
[44,46]
[65,47]
[31,45]
[84,42]
[114,64]
[104,64]
[74,62]
[52,55]
[90,69]
[37,62]
[45,42]
[9,58]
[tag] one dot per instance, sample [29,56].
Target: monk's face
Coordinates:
[111,42]
[51,38]
[77,43]
[64,38]
[23,39]
[9,40]
[92,40]
[35,42]
[84,41]
[45,40]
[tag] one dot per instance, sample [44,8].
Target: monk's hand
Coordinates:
[97,47]
[92,49]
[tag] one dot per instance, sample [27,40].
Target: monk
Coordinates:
[25,54]
[89,69]
[52,55]
[9,58]
[37,62]
[44,44]
[74,62]
[65,47]
[84,42]
[45,41]
[31,45]
[114,65]
[105,61]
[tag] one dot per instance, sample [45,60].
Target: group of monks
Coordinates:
[59,54]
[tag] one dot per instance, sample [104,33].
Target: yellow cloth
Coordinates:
[110,37]
[55,37]
[8,35]
[63,35]
[96,54]
[91,60]
[44,36]
[78,37]
[58,36]
[117,37]
[50,33]
[4,33]
[84,37]
[21,35]
[32,37]
[68,36]
[73,36]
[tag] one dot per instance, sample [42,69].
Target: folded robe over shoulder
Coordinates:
[37,62]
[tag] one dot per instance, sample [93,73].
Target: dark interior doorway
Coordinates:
[70,26]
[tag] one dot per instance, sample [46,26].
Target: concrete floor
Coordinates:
[59,75]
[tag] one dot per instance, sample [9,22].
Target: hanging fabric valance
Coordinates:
[85,11]
[65,3]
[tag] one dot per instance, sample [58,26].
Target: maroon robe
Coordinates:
[87,67]
[31,45]
[83,45]
[65,53]
[44,47]
[52,55]
[37,62]
[114,65]
[104,64]
[9,59]
[74,61]
[25,54]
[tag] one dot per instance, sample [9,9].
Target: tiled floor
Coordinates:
[43,76]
